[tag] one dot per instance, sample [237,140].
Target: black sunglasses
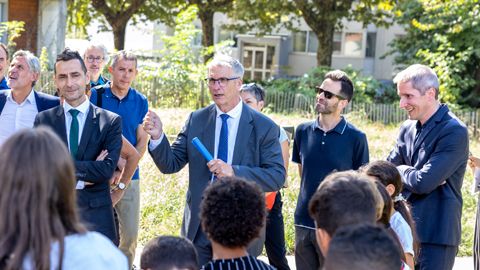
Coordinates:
[327,94]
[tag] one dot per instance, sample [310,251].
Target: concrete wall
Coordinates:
[52,20]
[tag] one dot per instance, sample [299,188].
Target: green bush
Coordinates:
[367,89]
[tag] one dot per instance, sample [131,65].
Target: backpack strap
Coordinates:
[100,90]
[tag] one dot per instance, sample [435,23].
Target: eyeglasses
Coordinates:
[254,89]
[221,81]
[92,59]
[327,94]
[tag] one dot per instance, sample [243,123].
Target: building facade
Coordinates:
[45,24]
[293,54]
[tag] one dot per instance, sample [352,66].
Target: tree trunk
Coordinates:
[118,19]
[206,17]
[321,17]
[325,44]
[119,31]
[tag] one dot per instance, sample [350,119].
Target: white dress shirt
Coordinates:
[81,117]
[232,122]
[17,116]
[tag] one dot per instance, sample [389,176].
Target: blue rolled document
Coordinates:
[201,148]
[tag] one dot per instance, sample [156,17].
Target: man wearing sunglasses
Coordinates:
[243,143]
[327,144]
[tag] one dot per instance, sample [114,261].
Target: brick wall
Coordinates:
[27,11]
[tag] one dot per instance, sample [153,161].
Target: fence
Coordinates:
[277,102]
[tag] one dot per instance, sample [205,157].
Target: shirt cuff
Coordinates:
[80,185]
[154,143]
[476,180]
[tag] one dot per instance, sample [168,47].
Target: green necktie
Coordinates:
[74,133]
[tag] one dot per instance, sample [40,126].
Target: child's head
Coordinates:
[387,174]
[387,210]
[362,247]
[169,253]
[232,212]
[343,198]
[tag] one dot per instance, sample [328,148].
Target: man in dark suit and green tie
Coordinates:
[87,130]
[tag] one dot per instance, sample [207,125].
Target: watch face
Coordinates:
[121,186]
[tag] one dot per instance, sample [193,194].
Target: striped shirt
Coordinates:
[242,263]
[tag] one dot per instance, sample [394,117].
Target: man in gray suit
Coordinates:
[243,142]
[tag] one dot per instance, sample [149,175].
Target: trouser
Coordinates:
[436,257]
[476,241]
[128,211]
[275,236]
[307,252]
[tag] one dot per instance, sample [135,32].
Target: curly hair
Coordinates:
[232,212]
[169,252]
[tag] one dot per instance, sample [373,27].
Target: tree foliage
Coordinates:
[444,35]
[323,17]
[179,75]
[114,15]
[14,30]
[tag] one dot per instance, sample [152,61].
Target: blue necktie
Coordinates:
[222,152]
[74,128]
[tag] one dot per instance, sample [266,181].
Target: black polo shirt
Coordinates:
[320,153]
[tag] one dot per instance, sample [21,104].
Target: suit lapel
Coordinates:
[436,117]
[3,100]
[208,135]
[38,100]
[60,127]
[243,134]
[87,132]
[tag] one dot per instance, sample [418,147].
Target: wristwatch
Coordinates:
[121,186]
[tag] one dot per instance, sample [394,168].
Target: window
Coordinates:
[371,44]
[353,44]
[337,43]
[299,41]
[347,44]
[305,41]
[312,42]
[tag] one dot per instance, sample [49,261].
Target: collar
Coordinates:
[101,80]
[436,117]
[30,98]
[109,94]
[233,113]
[83,108]
[339,128]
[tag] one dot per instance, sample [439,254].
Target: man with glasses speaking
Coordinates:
[320,147]
[243,143]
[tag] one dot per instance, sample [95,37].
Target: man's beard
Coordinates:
[325,108]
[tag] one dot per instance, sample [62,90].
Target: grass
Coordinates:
[163,196]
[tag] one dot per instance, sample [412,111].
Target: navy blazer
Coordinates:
[433,168]
[102,130]
[44,101]
[257,157]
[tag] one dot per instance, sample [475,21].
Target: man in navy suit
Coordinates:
[431,154]
[87,130]
[244,143]
[3,66]
[20,105]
